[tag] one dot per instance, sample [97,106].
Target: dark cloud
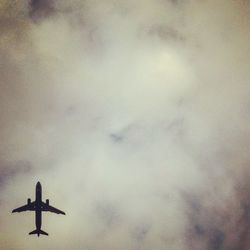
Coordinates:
[107,214]
[116,137]
[12,170]
[40,9]
[141,231]
[216,240]
[218,225]
[167,33]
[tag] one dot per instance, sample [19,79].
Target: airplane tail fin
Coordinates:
[38,232]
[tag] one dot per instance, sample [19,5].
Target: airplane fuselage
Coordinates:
[38,204]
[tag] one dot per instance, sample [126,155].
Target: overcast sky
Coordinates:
[135,118]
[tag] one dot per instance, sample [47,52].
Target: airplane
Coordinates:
[38,206]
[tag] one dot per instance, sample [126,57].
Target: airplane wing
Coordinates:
[49,208]
[27,207]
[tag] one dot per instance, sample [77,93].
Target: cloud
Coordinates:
[134,117]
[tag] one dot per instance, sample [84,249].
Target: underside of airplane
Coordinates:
[38,206]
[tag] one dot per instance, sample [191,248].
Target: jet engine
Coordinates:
[47,202]
[29,201]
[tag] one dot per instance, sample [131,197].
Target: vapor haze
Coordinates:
[134,116]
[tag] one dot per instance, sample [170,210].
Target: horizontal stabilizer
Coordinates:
[38,232]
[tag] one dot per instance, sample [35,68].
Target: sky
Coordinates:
[135,118]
